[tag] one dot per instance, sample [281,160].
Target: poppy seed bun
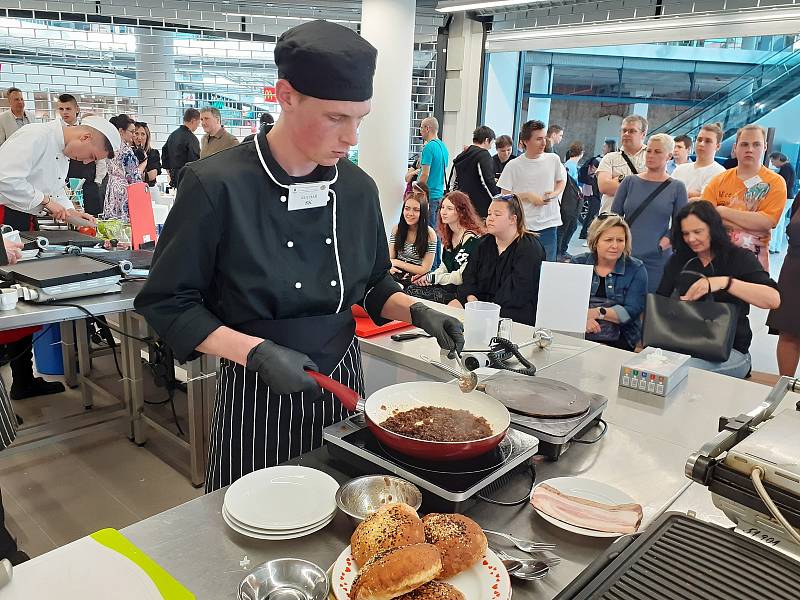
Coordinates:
[392,525]
[396,571]
[460,540]
[434,590]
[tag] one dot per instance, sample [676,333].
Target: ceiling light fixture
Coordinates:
[450,6]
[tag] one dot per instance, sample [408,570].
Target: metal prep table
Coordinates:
[30,315]
[387,362]
[193,543]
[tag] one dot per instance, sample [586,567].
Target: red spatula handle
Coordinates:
[349,398]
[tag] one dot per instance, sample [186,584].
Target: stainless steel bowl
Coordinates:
[285,579]
[361,497]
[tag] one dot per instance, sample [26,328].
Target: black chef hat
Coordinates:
[326,61]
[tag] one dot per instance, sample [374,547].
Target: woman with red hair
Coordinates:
[459,228]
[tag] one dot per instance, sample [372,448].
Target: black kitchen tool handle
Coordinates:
[404,337]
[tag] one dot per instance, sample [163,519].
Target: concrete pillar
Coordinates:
[383,140]
[462,85]
[159,100]
[501,91]
[541,83]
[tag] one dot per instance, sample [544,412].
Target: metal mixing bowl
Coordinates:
[285,579]
[361,497]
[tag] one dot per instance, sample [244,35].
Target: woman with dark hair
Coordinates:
[123,170]
[707,262]
[150,167]
[505,266]
[412,244]
[460,229]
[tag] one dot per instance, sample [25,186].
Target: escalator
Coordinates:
[762,89]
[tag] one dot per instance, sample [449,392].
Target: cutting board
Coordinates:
[98,567]
[366,327]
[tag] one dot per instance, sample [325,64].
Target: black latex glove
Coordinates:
[283,369]
[447,330]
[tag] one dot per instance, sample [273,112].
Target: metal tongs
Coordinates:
[467,380]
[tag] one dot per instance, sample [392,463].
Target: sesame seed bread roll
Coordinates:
[393,525]
[434,590]
[460,540]
[396,571]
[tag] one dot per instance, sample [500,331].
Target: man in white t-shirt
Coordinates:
[614,167]
[695,176]
[537,178]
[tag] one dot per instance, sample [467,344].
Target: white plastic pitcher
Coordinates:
[481,320]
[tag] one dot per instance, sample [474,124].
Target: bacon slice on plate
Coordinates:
[613,518]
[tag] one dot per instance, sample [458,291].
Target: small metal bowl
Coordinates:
[361,497]
[285,579]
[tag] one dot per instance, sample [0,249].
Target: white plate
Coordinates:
[238,523]
[486,580]
[282,498]
[588,489]
[271,536]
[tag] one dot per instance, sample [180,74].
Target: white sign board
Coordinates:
[564,291]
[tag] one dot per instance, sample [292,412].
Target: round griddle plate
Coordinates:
[537,397]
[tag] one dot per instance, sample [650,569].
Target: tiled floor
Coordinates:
[59,492]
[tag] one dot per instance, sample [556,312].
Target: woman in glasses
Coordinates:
[619,284]
[460,229]
[412,244]
[649,201]
[505,266]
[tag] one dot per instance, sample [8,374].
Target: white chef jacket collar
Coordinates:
[280,177]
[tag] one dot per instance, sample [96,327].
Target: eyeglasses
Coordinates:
[631,131]
[504,197]
[606,215]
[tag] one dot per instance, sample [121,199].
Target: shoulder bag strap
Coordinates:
[630,163]
[641,208]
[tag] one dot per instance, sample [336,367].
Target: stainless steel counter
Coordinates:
[194,544]
[28,314]
[688,417]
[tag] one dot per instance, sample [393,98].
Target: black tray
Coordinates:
[63,237]
[140,259]
[682,558]
[59,270]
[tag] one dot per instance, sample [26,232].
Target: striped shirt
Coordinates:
[409,252]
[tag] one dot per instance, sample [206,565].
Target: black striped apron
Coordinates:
[8,419]
[253,428]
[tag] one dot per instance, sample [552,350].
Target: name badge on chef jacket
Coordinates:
[308,195]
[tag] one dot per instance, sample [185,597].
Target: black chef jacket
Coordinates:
[182,147]
[231,253]
[510,279]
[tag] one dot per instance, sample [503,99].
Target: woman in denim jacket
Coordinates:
[619,284]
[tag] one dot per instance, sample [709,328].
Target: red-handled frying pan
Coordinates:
[404,396]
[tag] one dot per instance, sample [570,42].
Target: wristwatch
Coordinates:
[603,312]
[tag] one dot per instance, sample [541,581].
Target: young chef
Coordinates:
[266,249]
[35,160]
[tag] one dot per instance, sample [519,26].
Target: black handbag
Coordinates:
[704,329]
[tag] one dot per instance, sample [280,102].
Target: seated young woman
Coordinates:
[619,284]
[707,262]
[506,265]
[412,244]
[460,229]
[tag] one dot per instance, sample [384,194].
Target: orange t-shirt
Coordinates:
[766,195]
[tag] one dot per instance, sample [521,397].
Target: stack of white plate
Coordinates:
[280,503]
